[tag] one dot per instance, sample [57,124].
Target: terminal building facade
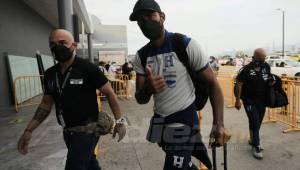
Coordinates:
[24,32]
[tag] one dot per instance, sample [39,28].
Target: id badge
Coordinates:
[76,81]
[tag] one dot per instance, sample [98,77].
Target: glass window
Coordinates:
[24,73]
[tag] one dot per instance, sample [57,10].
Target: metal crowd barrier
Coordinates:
[228,70]
[121,84]
[227,85]
[27,91]
[119,87]
[290,114]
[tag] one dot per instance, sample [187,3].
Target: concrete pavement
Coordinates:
[48,151]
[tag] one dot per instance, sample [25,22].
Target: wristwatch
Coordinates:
[121,120]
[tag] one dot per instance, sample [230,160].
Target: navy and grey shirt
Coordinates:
[179,93]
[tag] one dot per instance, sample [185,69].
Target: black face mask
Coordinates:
[258,63]
[61,53]
[151,29]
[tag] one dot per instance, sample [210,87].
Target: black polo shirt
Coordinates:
[255,83]
[78,100]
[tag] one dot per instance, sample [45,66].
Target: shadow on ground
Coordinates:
[48,151]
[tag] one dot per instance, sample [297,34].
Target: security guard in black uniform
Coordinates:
[253,83]
[71,85]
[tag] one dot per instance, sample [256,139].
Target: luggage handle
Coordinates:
[224,156]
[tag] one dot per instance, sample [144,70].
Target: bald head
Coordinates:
[61,36]
[259,54]
[61,33]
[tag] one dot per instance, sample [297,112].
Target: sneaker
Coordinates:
[257,153]
[261,148]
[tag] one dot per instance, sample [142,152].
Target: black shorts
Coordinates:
[178,144]
[179,141]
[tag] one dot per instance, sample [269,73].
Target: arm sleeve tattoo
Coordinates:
[41,114]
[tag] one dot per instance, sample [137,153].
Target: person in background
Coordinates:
[252,88]
[107,66]
[213,63]
[126,70]
[112,68]
[102,67]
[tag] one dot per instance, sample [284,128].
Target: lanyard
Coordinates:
[60,89]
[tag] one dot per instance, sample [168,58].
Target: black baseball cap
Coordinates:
[142,5]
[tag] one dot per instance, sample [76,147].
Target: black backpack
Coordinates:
[201,88]
[276,96]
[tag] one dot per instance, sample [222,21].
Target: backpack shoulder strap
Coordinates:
[144,54]
[180,49]
[268,68]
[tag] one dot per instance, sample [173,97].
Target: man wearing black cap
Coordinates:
[161,73]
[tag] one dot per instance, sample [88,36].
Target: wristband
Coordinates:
[121,120]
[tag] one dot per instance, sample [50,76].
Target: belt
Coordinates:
[89,128]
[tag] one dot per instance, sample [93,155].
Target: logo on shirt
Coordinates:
[168,61]
[178,161]
[265,75]
[150,62]
[252,73]
[169,71]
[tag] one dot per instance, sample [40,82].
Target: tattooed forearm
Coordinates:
[41,114]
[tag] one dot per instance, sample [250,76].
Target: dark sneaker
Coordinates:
[257,153]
